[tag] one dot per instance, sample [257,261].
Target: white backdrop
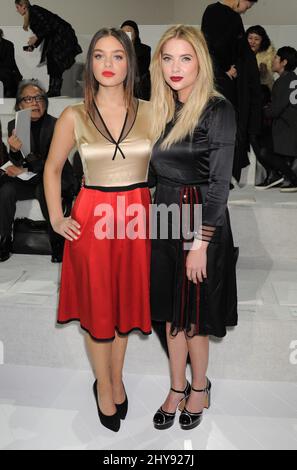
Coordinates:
[150,34]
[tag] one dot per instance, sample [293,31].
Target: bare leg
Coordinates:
[100,356]
[199,354]
[119,347]
[178,353]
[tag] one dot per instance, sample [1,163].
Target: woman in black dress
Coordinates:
[193,289]
[60,45]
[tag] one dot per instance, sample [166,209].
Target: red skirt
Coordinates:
[105,281]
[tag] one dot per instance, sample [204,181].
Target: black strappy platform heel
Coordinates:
[189,420]
[163,419]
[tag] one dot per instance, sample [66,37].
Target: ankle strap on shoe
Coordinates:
[203,390]
[181,391]
[206,389]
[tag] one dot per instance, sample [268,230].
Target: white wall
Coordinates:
[150,34]
[271,12]
[87,16]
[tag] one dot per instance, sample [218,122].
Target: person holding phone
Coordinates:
[60,44]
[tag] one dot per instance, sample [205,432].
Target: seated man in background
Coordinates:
[283,111]
[10,75]
[12,189]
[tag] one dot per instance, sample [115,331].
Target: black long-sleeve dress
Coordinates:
[196,170]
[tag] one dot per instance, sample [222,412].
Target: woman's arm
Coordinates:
[62,144]
[221,137]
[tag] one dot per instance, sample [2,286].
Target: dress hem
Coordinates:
[104,339]
[201,333]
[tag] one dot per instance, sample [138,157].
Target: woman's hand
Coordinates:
[14,171]
[196,264]
[68,228]
[32,40]
[14,143]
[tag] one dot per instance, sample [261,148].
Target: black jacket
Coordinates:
[9,72]
[143,83]
[3,154]
[225,35]
[284,114]
[35,162]
[60,42]
[222,27]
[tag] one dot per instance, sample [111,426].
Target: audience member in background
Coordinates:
[283,111]
[143,55]
[10,75]
[236,71]
[12,189]
[60,45]
[265,53]
[3,150]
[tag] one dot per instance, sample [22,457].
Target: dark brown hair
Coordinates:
[92,85]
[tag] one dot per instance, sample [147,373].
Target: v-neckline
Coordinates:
[112,139]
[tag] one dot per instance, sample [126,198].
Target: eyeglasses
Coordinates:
[30,99]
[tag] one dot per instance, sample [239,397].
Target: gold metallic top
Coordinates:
[108,163]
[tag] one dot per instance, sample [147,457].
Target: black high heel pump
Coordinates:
[112,422]
[122,408]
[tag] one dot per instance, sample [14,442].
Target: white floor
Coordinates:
[46,400]
[43,408]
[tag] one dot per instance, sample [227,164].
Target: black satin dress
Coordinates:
[197,170]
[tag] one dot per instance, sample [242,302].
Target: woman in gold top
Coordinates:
[105,274]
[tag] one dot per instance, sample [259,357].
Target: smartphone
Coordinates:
[28,48]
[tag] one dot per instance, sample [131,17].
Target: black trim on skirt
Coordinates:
[114,189]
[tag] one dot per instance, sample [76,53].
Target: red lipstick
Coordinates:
[176,79]
[108,73]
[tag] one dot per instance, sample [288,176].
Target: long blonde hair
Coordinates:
[163,97]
